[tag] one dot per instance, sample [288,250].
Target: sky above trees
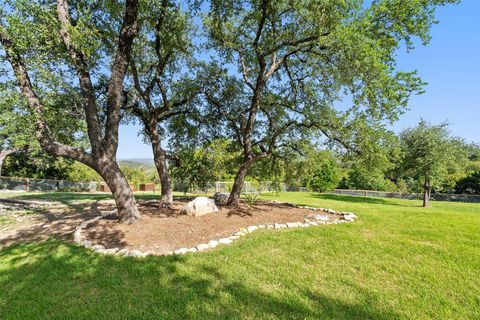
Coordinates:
[449,63]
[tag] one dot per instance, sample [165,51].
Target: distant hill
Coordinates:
[137,163]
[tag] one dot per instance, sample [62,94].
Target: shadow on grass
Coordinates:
[70,197]
[54,222]
[58,280]
[358,199]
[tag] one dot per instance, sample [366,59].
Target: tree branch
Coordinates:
[88,93]
[120,65]
[42,131]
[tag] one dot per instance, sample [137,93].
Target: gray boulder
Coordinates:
[200,206]
[221,197]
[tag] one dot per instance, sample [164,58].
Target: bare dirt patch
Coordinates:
[164,230]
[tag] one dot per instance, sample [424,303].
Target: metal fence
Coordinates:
[251,186]
[410,196]
[12,184]
[226,187]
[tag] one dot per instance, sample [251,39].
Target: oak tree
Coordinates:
[162,77]
[429,152]
[81,47]
[291,60]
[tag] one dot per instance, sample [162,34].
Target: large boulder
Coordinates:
[200,206]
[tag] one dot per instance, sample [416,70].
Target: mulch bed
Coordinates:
[163,230]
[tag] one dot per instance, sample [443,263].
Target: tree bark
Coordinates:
[121,191]
[160,159]
[426,194]
[234,197]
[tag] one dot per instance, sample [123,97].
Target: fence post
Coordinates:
[366,192]
[28,184]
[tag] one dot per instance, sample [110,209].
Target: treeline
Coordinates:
[264,76]
[454,166]
[425,157]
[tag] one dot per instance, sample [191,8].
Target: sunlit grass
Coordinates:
[398,261]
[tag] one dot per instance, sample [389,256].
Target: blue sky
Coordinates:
[450,64]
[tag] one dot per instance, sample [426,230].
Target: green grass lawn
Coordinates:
[398,261]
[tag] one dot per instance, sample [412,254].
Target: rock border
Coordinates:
[309,221]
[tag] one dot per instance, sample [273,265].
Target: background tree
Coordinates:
[428,153]
[469,184]
[198,167]
[84,49]
[300,164]
[15,129]
[473,156]
[324,178]
[79,172]
[372,163]
[291,60]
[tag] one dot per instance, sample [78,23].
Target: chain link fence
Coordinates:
[12,184]
[226,186]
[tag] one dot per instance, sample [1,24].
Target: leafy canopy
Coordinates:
[430,153]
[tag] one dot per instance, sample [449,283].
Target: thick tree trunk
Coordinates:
[234,197]
[160,159]
[166,198]
[426,194]
[123,195]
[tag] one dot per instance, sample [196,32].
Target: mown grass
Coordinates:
[398,261]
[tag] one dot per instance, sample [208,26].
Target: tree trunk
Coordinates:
[160,159]
[234,197]
[3,155]
[426,194]
[123,195]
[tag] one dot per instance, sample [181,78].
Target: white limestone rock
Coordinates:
[203,247]
[292,224]
[180,251]
[224,241]
[97,247]
[135,253]
[200,206]
[110,251]
[213,243]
